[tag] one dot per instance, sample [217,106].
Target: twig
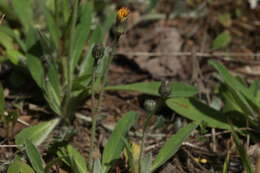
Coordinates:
[219,55]
[214,140]
[193,159]
[188,144]
[23,122]
[2,18]
[10,146]
[225,132]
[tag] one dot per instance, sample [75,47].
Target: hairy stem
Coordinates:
[143,139]
[94,118]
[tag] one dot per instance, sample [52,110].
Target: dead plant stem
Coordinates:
[218,55]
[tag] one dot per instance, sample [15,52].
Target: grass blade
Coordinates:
[23,10]
[232,82]
[115,143]
[82,31]
[55,33]
[242,152]
[172,145]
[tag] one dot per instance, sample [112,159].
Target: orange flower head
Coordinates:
[122,14]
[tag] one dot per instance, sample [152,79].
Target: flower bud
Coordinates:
[98,52]
[165,89]
[122,14]
[150,106]
[121,23]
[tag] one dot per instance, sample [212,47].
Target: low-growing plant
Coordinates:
[54,52]
[72,158]
[67,75]
[7,117]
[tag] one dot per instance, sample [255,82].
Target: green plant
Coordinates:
[139,162]
[72,158]
[54,56]
[144,163]
[7,117]
[240,109]
[54,52]
[241,103]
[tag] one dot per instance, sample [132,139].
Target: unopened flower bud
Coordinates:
[165,89]
[150,105]
[98,52]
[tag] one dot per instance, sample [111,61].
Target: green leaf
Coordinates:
[222,40]
[78,162]
[97,36]
[23,10]
[130,156]
[254,86]
[72,28]
[198,111]
[36,70]
[66,10]
[37,134]
[226,164]
[146,163]
[7,9]
[34,157]
[178,89]
[97,166]
[234,101]
[53,104]
[172,145]
[225,19]
[229,99]
[82,31]
[31,41]
[115,143]
[73,158]
[242,152]
[2,101]
[233,83]
[87,65]
[6,41]
[14,35]
[19,167]
[55,33]
[52,97]
[54,78]
[110,20]
[14,56]
[99,33]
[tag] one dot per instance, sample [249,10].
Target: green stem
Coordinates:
[144,139]
[103,79]
[94,118]
[67,96]
[96,107]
